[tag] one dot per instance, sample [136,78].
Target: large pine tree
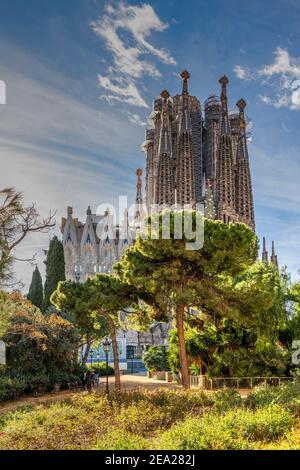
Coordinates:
[35,294]
[55,269]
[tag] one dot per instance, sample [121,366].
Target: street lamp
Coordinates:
[106,348]
[98,357]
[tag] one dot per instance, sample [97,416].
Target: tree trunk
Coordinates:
[113,335]
[184,366]
[87,350]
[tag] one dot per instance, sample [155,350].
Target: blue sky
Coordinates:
[81,75]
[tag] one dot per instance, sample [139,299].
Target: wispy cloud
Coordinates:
[57,148]
[282,77]
[125,30]
[135,119]
[240,72]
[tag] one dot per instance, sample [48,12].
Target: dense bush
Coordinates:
[236,429]
[41,349]
[226,399]
[101,368]
[149,419]
[286,394]
[11,388]
[122,440]
[85,419]
[156,359]
[14,384]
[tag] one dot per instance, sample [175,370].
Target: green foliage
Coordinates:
[223,347]
[235,430]
[222,280]
[40,350]
[122,440]
[148,419]
[100,368]
[165,273]
[156,359]
[227,399]
[287,395]
[91,300]
[14,384]
[36,294]
[88,420]
[11,388]
[55,269]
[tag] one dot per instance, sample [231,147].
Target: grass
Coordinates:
[159,419]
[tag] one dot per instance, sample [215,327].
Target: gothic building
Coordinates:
[192,159]
[93,246]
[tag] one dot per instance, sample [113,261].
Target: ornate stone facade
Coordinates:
[190,159]
[93,246]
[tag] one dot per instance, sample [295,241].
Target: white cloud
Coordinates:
[285,86]
[127,93]
[240,72]
[58,149]
[136,119]
[130,53]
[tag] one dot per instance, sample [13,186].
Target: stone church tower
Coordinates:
[225,181]
[173,147]
[190,159]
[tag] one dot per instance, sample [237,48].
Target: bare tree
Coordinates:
[16,222]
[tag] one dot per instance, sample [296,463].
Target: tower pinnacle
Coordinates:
[139,199]
[264,256]
[185,76]
[165,94]
[273,258]
[225,129]
[241,104]
[244,196]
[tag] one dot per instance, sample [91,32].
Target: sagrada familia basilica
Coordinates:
[192,157]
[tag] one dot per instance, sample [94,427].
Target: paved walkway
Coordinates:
[129,382]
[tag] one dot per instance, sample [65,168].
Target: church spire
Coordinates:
[225,128]
[265,256]
[185,76]
[165,183]
[273,258]
[244,197]
[185,171]
[225,182]
[138,213]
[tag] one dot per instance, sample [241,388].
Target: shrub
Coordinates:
[101,369]
[236,429]
[156,359]
[122,440]
[14,384]
[226,399]
[11,388]
[287,395]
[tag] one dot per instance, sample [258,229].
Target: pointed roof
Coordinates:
[225,128]
[138,211]
[185,76]
[165,95]
[242,149]
[273,258]
[165,145]
[264,256]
